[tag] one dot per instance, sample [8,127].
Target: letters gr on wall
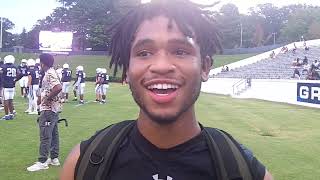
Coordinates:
[308,93]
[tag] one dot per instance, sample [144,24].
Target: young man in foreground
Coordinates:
[165,50]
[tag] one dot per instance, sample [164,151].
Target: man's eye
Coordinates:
[181,52]
[144,54]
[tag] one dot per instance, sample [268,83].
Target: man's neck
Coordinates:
[166,136]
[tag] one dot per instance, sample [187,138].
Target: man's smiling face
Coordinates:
[165,70]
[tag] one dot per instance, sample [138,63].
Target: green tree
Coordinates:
[22,38]
[90,20]
[229,20]
[314,30]
[302,22]
[270,21]
[8,39]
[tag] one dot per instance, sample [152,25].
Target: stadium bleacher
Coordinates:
[279,67]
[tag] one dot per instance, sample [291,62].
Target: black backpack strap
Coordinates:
[227,157]
[216,155]
[239,155]
[99,155]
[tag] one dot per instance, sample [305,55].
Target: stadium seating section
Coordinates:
[278,68]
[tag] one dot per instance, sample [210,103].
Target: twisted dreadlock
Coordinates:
[191,19]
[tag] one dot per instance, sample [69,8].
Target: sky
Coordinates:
[25,13]
[244,5]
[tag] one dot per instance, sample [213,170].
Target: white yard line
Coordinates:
[86,102]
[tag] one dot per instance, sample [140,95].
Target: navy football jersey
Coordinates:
[104,78]
[66,75]
[35,75]
[9,75]
[81,76]
[38,66]
[23,70]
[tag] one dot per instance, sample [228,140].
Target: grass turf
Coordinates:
[284,137]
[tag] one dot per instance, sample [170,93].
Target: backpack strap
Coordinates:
[227,156]
[97,159]
[239,154]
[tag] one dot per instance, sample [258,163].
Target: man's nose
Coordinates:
[162,64]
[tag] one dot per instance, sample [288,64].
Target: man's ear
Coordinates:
[206,66]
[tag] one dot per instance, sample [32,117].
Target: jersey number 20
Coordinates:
[11,72]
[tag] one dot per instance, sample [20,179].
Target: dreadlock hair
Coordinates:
[192,20]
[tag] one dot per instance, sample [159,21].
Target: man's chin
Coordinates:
[163,119]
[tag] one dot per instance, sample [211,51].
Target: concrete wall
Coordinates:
[271,90]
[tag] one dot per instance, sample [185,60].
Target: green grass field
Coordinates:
[284,137]
[90,63]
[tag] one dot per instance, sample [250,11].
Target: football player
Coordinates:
[104,85]
[80,83]
[9,74]
[23,68]
[38,64]
[33,84]
[97,88]
[66,79]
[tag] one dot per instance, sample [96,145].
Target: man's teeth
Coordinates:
[163,86]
